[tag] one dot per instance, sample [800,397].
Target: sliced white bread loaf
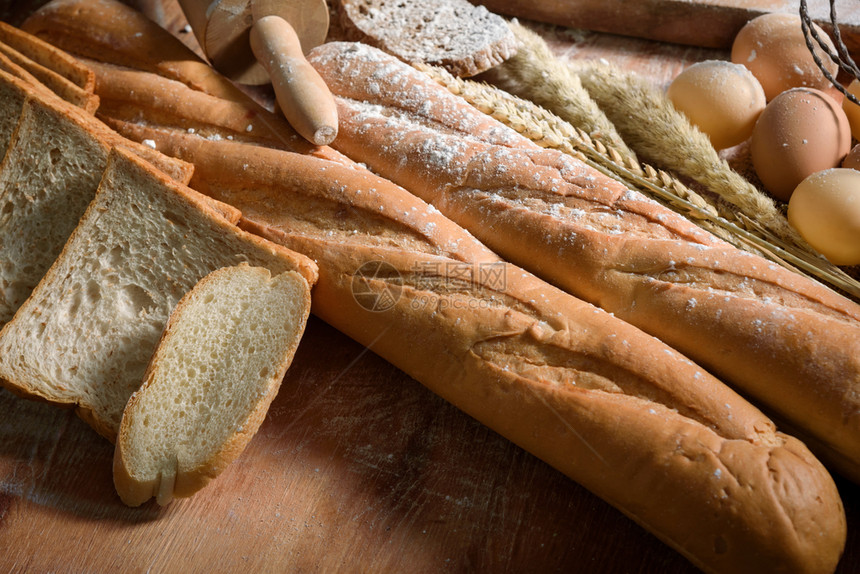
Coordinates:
[55,159]
[462,38]
[87,332]
[209,384]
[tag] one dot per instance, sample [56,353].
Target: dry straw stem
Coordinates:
[536,75]
[548,130]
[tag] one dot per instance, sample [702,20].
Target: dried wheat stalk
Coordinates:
[560,89]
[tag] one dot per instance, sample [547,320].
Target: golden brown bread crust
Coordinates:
[787,342]
[660,439]
[88,103]
[144,97]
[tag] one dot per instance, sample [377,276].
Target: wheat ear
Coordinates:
[534,74]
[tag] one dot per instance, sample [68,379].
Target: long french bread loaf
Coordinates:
[145,97]
[785,341]
[113,32]
[613,408]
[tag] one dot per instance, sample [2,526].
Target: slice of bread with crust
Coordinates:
[52,167]
[454,34]
[85,335]
[207,389]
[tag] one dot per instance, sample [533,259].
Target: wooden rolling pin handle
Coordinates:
[302,94]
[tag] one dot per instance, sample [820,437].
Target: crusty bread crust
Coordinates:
[53,81]
[663,441]
[785,341]
[47,56]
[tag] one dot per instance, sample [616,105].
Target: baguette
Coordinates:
[86,333]
[112,32]
[142,97]
[217,367]
[785,341]
[50,172]
[663,441]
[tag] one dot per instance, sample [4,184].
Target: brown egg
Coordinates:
[800,132]
[722,99]
[825,210]
[772,46]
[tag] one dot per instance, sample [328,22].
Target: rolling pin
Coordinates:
[259,41]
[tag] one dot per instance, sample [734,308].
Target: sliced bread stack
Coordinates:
[54,161]
[21,56]
[47,67]
[100,240]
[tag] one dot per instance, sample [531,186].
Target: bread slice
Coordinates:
[87,332]
[207,389]
[55,159]
[463,38]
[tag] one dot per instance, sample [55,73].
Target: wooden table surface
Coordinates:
[357,468]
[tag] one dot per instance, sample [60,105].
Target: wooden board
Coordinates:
[357,468]
[707,23]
